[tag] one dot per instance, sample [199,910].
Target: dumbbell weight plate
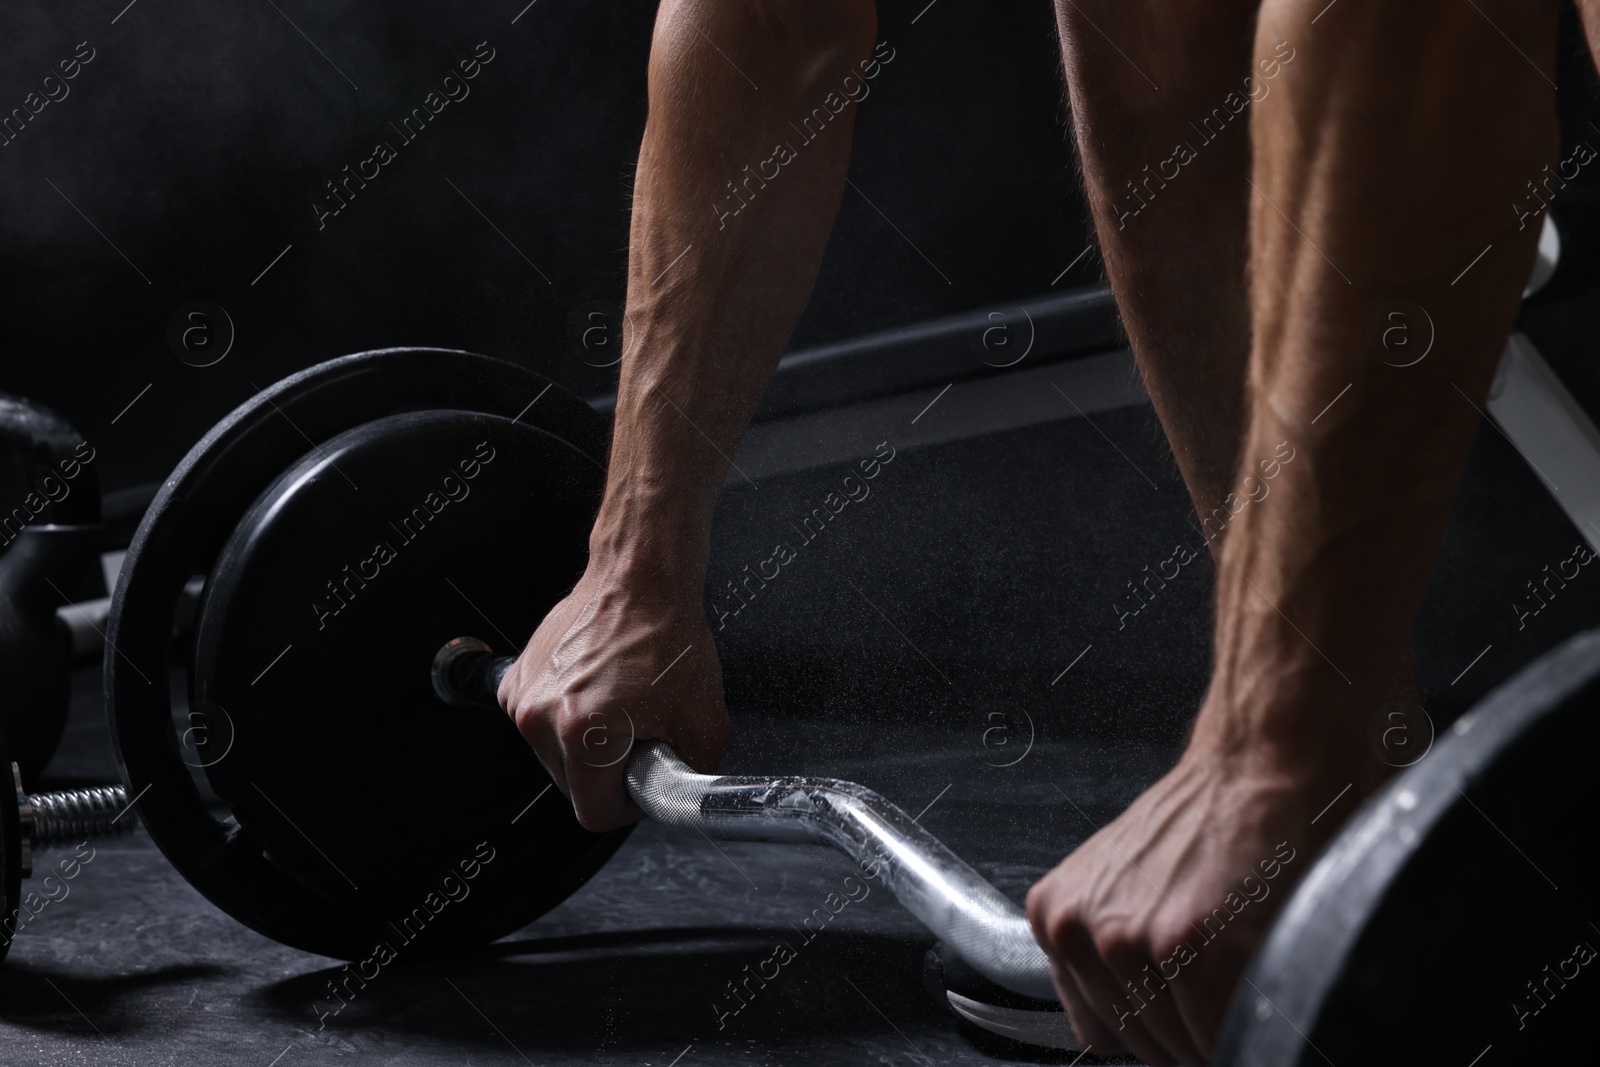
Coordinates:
[354,791]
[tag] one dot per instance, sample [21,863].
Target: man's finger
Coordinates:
[596,744]
[1085,1023]
[1203,997]
[540,734]
[600,799]
[1116,1009]
[1159,1012]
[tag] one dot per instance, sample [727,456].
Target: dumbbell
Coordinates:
[445,494]
[50,537]
[35,822]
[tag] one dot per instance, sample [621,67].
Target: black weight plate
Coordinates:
[1452,914]
[183,534]
[315,637]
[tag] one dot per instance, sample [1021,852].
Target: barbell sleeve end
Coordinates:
[467,674]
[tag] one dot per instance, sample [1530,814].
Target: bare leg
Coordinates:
[1385,165]
[1161,98]
[1165,179]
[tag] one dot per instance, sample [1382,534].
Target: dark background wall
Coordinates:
[197,138]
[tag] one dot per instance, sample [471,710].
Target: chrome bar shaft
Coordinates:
[950,898]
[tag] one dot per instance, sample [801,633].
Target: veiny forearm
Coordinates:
[728,233]
[1371,187]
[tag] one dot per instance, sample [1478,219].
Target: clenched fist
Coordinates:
[1150,923]
[611,665]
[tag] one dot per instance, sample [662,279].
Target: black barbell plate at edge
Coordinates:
[184,533]
[1414,937]
[316,634]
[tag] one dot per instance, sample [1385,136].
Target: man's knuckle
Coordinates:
[1037,908]
[571,728]
[1119,944]
[1064,926]
[1034,904]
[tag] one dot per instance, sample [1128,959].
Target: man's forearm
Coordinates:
[752,106]
[1318,584]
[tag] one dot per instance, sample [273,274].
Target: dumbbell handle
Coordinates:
[950,898]
[68,815]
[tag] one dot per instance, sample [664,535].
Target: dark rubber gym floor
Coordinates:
[916,646]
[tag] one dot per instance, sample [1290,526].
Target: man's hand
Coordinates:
[717,280]
[610,666]
[1151,922]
